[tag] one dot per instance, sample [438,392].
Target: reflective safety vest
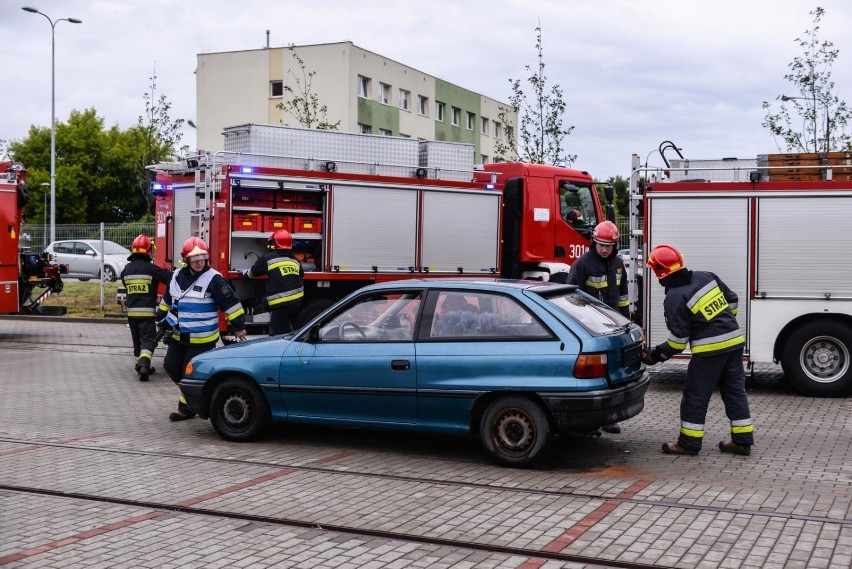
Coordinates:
[194,311]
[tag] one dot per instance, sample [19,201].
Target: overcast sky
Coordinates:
[634,73]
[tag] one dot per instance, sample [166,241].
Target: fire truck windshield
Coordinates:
[576,204]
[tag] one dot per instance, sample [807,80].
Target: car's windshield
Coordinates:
[110,247]
[594,316]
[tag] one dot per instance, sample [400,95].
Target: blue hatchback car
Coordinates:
[514,362]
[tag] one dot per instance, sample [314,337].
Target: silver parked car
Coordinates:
[83,257]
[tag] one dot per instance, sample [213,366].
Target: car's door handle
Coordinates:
[400,365]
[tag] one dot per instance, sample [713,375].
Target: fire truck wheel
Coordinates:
[239,410]
[515,431]
[816,359]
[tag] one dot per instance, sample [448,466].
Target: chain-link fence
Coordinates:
[37,236]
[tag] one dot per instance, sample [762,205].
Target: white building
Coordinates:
[366,92]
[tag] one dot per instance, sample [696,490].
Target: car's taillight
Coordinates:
[590,366]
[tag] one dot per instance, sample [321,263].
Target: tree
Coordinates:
[155,138]
[540,130]
[824,116]
[100,173]
[301,102]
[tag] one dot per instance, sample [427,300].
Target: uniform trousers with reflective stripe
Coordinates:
[177,356]
[705,372]
[281,316]
[143,331]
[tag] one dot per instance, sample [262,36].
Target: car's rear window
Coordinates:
[594,316]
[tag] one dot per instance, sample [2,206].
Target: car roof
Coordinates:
[467,283]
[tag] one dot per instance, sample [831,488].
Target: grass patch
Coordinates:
[83,299]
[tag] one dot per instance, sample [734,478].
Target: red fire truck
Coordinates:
[356,219]
[26,279]
[780,238]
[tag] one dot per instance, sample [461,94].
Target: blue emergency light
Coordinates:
[246,170]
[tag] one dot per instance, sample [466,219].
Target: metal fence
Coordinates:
[36,236]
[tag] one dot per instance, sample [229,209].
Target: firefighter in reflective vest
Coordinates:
[284,287]
[190,313]
[141,279]
[700,310]
[600,273]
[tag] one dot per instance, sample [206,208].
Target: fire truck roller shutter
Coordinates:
[712,234]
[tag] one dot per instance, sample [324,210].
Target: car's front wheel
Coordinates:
[109,274]
[515,431]
[239,411]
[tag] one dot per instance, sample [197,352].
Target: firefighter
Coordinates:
[600,273]
[701,310]
[189,312]
[284,287]
[141,279]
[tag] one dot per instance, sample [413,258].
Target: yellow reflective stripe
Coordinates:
[743,429]
[236,313]
[204,339]
[137,280]
[676,345]
[283,299]
[623,303]
[692,433]
[715,346]
[164,307]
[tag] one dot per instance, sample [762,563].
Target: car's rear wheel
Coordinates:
[515,431]
[239,410]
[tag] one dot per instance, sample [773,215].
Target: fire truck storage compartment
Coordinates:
[373,227]
[712,233]
[245,197]
[798,238]
[461,232]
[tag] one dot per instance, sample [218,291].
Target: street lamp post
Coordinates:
[52,112]
[786,98]
[44,240]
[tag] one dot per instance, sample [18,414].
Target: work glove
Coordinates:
[651,357]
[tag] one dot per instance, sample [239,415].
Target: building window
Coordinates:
[483,122]
[404,96]
[363,86]
[423,105]
[384,93]
[364,128]
[470,120]
[276,88]
[510,133]
[385,132]
[483,159]
[456,116]
[439,111]
[496,129]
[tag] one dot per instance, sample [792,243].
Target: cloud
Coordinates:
[633,72]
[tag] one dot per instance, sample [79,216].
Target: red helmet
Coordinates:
[194,249]
[665,260]
[605,233]
[281,239]
[141,245]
